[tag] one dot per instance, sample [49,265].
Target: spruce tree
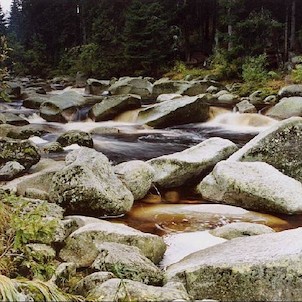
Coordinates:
[2,22]
[15,22]
[147,36]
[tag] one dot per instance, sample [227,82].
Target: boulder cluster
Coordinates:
[120,262]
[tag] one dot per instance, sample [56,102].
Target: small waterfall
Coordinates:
[129,116]
[241,121]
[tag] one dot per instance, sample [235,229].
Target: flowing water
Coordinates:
[179,215]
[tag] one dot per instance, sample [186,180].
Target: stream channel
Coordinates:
[179,215]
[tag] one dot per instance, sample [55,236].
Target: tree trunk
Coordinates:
[230,32]
[286,35]
[293,26]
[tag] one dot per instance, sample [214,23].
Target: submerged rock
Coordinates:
[127,290]
[176,169]
[259,268]
[81,246]
[240,229]
[279,146]
[252,185]
[176,112]
[88,183]
[137,176]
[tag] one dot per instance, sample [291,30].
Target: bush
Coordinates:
[254,70]
[297,74]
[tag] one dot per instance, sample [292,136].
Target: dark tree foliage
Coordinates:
[3,29]
[147,37]
[105,38]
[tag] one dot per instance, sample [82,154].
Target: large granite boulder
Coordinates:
[286,108]
[137,176]
[24,152]
[127,290]
[111,106]
[180,111]
[240,229]
[259,268]
[81,246]
[127,262]
[64,107]
[252,185]
[129,85]
[279,146]
[75,137]
[88,183]
[176,169]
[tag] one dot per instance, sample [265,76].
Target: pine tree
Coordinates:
[147,36]
[15,20]
[3,28]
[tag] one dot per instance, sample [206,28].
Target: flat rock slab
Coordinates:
[81,245]
[256,186]
[279,146]
[259,268]
[175,169]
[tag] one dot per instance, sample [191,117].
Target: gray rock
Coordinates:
[96,87]
[127,262]
[176,112]
[13,90]
[25,132]
[271,100]
[256,98]
[41,252]
[88,183]
[291,90]
[34,101]
[80,80]
[199,87]
[64,107]
[167,86]
[246,107]
[127,290]
[12,119]
[75,137]
[212,89]
[176,169]
[137,176]
[240,229]
[91,281]
[63,273]
[24,152]
[53,147]
[167,97]
[11,170]
[259,268]
[279,146]
[81,245]
[252,185]
[128,85]
[111,106]
[286,108]
[228,99]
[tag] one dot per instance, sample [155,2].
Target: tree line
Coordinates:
[105,38]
